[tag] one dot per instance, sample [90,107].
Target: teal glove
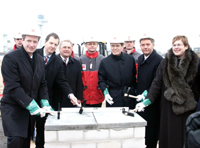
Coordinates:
[34,109]
[140,106]
[141,97]
[46,106]
[107,96]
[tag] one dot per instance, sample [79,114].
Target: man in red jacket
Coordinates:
[90,64]
[18,41]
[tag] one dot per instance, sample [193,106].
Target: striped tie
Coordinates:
[46,60]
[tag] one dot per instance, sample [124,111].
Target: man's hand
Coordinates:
[74,100]
[34,109]
[107,96]
[46,106]
[139,107]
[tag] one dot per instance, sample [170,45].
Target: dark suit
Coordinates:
[53,75]
[73,74]
[23,83]
[146,74]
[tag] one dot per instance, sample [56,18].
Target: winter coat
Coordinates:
[22,85]
[178,85]
[192,139]
[72,72]
[90,65]
[117,73]
[54,74]
[146,73]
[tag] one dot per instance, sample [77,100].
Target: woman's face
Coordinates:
[179,48]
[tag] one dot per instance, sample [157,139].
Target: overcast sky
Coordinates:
[75,19]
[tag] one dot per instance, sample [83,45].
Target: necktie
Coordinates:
[65,61]
[46,59]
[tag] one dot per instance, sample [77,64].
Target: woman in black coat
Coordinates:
[177,81]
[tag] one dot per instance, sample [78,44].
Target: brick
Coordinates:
[57,145]
[133,143]
[84,145]
[109,144]
[70,135]
[139,132]
[96,134]
[50,136]
[121,134]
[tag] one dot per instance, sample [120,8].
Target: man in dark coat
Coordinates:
[24,77]
[177,81]
[117,73]
[72,71]
[192,138]
[147,66]
[53,74]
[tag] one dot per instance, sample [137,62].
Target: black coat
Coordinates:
[172,126]
[146,73]
[22,84]
[117,73]
[73,74]
[193,131]
[54,74]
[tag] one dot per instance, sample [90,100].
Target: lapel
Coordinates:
[25,61]
[149,59]
[50,60]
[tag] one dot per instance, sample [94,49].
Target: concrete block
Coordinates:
[139,132]
[109,144]
[96,134]
[84,145]
[121,134]
[57,145]
[133,143]
[71,135]
[50,136]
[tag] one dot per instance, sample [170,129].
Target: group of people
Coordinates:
[39,81]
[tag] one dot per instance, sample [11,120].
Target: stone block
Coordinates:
[109,144]
[96,134]
[71,135]
[84,145]
[133,143]
[57,145]
[121,134]
[139,132]
[50,136]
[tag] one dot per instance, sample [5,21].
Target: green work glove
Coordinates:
[34,109]
[107,96]
[46,106]
[141,97]
[140,106]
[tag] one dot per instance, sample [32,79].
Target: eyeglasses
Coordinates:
[18,39]
[178,45]
[90,44]
[128,42]
[112,46]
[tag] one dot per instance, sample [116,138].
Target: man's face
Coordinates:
[91,46]
[30,44]
[116,48]
[18,42]
[147,46]
[129,45]
[65,49]
[51,45]
[179,48]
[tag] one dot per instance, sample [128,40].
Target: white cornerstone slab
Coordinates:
[95,128]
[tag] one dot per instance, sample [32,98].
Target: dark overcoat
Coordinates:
[22,85]
[54,74]
[172,121]
[146,73]
[117,73]
[73,74]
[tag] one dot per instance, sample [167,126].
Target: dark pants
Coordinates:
[18,142]
[39,124]
[93,105]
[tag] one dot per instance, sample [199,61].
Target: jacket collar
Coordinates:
[93,55]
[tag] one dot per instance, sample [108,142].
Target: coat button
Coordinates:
[33,78]
[32,92]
